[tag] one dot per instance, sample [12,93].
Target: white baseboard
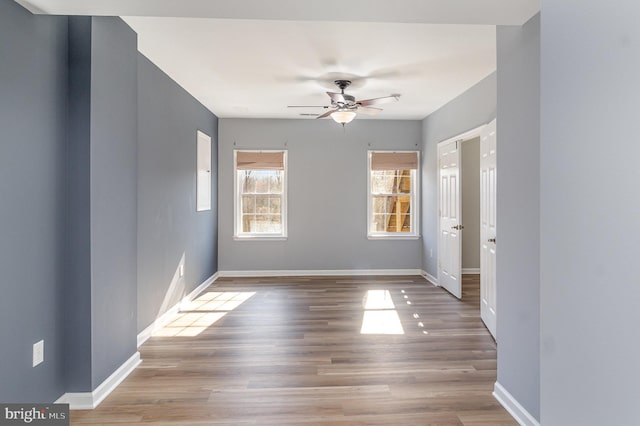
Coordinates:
[469,271]
[160,322]
[90,400]
[514,408]
[319,272]
[433,280]
[170,314]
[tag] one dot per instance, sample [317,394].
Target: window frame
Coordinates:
[415,202]
[238,234]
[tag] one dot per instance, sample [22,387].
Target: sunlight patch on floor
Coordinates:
[380,315]
[201,313]
[381,322]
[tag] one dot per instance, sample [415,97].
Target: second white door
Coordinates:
[488,183]
[450,248]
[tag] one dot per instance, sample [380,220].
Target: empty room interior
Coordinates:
[349,213]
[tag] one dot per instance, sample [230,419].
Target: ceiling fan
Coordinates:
[344,107]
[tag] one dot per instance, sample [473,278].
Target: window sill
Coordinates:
[260,238]
[393,237]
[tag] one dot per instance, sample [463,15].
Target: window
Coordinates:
[203,174]
[393,189]
[261,194]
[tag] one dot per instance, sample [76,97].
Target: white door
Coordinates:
[450,248]
[488,180]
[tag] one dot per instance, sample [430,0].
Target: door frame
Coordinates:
[462,137]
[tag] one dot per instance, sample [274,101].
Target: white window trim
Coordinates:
[415,207]
[238,235]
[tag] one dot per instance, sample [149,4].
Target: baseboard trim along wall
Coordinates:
[319,272]
[90,400]
[170,314]
[433,280]
[514,408]
[469,271]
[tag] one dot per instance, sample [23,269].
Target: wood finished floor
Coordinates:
[293,354]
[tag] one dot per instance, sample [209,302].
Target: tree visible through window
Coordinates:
[261,194]
[392,194]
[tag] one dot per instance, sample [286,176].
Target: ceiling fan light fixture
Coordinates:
[343,116]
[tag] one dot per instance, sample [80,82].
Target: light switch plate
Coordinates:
[38,353]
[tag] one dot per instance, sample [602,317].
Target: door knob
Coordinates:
[492,240]
[458,227]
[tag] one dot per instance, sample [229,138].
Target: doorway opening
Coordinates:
[467,182]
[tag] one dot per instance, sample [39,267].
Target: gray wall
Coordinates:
[33,107]
[470,181]
[475,107]
[590,290]
[518,213]
[327,196]
[169,228]
[77,300]
[113,194]
[69,182]
[101,294]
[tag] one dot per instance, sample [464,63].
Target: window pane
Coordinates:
[261,199]
[378,224]
[276,223]
[380,204]
[391,214]
[405,221]
[391,183]
[391,200]
[262,182]
[275,205]
[262,204]
[260,223]
[247,220]
[275,182]
[377,182]
[247,181]
[248,204]
[404,182]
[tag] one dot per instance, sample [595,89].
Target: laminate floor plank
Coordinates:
[315,351]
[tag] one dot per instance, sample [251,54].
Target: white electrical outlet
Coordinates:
[431,253]
[38,353]
[181,270]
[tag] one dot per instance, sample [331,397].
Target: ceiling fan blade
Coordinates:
[308,106]
[326,114]
[379,101]
[369,110]
[337,97]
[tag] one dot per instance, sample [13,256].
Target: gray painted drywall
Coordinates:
[68,181]
[33,105]
[470,182]
[114,93]
[475,107]
[77,300]
[327,198]
[590,290]
[169,228]
[102,272]
[518,212]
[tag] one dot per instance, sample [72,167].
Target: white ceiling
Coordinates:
[252,58]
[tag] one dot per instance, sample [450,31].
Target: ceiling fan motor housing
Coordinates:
[349,99]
